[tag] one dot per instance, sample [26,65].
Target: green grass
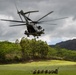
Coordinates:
[65,67]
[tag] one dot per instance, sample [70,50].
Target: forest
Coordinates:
[27,50]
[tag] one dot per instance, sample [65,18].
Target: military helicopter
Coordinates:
[32,28]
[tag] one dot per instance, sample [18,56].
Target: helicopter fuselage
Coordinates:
[32,28]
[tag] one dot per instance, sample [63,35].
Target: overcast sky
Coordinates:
[64,30]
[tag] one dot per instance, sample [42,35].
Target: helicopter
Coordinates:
[32,28]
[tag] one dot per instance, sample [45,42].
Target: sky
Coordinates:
[65,29]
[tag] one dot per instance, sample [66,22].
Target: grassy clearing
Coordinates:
[65,67]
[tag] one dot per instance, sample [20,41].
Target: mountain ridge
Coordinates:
[68,44]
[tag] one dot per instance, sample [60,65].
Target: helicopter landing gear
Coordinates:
[37,37]
[28,35]
[26,32]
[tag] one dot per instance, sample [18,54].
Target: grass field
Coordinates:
[65,67]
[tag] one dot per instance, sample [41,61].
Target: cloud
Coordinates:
[65,29]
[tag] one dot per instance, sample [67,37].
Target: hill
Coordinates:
[33,49]
[69,44]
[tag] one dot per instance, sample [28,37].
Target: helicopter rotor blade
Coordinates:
[31,12]
[47,23]
[52,24]
[16,7]
[17,25]
[52,20]
[12,20]
[20,16]
[18,11]
[29,19]
[45,15]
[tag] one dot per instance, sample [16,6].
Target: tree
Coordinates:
[33,48]
[24,43]
[17,41]
[38,48]
[43,49]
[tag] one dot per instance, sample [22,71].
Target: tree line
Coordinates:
[26,50]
